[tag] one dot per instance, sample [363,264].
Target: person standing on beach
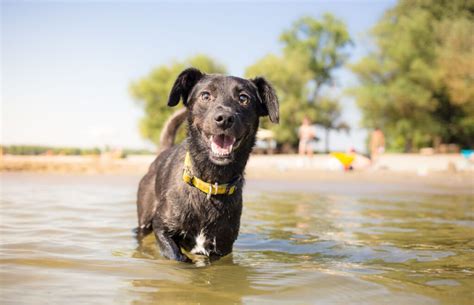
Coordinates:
[377,144]
[306,134]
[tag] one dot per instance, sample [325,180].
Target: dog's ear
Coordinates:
[269,100]
[183,85]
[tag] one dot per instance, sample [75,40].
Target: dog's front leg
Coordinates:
[168,247]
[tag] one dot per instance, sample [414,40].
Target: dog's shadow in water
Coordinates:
[207,282]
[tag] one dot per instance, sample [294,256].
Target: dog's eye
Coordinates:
[244,99]
[205,96]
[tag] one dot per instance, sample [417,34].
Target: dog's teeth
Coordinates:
[220,149]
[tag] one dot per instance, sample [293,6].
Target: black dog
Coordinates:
[191,196]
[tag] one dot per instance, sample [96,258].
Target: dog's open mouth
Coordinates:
[221,145]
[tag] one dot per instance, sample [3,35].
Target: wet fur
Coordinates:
[180,215]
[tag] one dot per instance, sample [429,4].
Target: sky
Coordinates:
[66,66]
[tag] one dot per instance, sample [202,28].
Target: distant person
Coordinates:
[360,161]
[377,144]
[306,135]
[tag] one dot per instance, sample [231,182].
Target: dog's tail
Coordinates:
[168,133]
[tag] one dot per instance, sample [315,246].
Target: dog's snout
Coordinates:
[224,120]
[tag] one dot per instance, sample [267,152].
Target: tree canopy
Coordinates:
[417,84]
[312,50]
[322,43]
[152,91]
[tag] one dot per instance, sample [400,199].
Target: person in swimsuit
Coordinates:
[306,134]
[377,144]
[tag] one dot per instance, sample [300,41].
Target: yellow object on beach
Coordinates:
[345,159]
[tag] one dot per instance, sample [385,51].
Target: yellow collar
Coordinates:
[206,187]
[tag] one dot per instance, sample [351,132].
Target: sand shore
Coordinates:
[447,171]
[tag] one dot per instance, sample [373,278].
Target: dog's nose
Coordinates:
[224,120]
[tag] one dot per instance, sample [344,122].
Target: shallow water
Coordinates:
[68,239]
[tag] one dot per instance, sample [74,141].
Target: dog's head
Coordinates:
[224,111]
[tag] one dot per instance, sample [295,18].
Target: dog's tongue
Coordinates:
[222,144]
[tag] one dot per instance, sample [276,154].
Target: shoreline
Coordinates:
[282,169]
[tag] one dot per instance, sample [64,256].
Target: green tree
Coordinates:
[289,76]
[151,92]
[312,50]
[417,84]
[323,43]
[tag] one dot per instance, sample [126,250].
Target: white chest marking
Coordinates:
[200,248]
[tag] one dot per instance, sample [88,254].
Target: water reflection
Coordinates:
[226,282]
